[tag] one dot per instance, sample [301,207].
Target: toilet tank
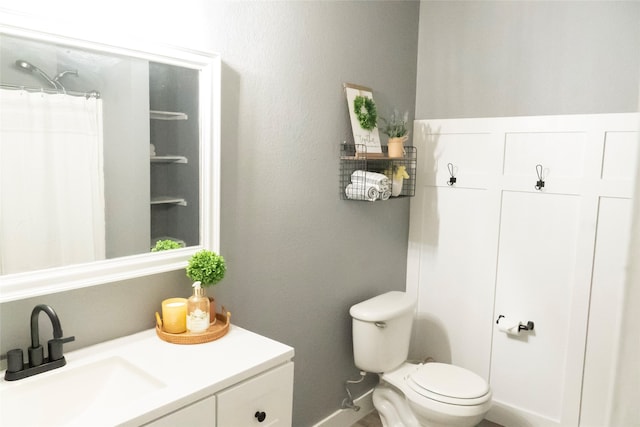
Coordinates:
[381,330]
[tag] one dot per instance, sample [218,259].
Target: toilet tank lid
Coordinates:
[383,307]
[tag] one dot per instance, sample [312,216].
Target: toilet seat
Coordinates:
[448,384]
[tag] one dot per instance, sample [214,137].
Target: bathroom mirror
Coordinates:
[104,149]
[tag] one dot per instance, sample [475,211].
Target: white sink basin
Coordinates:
[66,395]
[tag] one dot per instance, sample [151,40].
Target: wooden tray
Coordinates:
[216,330]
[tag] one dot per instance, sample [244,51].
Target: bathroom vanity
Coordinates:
[240,379]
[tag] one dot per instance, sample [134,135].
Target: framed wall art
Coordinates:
[364,119]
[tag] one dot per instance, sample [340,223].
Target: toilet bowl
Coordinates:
[412,395]
[434,394]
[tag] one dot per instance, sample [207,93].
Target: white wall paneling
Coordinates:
[607,290]
[492,244]
[456,266]
[536,262]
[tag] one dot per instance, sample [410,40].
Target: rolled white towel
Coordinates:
[385,187]
[384,193]
[361,192]
[362,175]
[370,177]
[381,186]
[373,193]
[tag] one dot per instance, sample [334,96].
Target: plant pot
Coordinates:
[396,146]
[212,310]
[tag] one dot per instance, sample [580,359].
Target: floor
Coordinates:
[373,420]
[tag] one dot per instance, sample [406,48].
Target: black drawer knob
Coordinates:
[261,416]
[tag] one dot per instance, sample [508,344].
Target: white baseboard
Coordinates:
[506,415]
[348,417]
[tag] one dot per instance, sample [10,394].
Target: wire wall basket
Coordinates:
[376,176]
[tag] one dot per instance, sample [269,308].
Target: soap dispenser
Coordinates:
[198,310]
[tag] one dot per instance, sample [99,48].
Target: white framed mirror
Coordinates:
[144,166]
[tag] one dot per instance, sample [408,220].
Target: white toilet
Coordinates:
[412,395]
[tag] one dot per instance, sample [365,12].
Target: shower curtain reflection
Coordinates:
[51,181]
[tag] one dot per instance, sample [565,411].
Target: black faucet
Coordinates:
[16,370]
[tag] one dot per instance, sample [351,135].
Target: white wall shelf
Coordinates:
[167,115]
[167,200]
[169,159]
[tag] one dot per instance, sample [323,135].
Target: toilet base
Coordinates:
[437,419]
[393,408]
[397,411]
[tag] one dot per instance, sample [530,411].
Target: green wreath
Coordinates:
[365,109]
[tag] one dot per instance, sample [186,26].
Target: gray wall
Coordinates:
[496,58]
[298,256]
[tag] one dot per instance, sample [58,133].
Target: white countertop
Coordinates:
[185,373]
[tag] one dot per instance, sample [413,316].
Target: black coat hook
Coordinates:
[540,182]
[452,180]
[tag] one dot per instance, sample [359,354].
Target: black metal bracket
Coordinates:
[527,327]
[540,182]
[453,179]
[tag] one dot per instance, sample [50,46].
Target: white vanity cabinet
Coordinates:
[198,414]
[241,379]
[263,400]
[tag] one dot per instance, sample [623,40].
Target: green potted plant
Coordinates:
[208,268]
[165,245]
[396,129]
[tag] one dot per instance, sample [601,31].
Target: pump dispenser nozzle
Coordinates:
[198,289]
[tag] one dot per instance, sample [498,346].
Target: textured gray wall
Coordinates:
[497,58]
[298,256]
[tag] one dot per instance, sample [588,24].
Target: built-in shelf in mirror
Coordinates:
[167,115]
[167,200]
[169,159]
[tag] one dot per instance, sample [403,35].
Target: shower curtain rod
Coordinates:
[92,94]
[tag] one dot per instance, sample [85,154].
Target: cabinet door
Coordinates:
[199,414]
[266,400]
